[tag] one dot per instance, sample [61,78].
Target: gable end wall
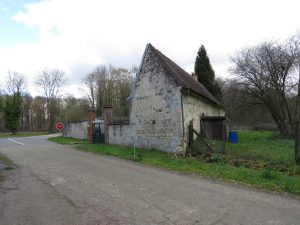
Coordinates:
[156,115]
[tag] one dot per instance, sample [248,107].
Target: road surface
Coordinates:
[56,184]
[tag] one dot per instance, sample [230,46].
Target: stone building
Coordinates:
[164,99]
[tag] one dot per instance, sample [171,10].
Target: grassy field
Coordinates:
[21,134]
[258,160]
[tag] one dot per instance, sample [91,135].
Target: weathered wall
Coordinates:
[193,109]
[120,134]
[155,117]
[76,130]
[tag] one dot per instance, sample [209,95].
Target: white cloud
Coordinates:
[76,35]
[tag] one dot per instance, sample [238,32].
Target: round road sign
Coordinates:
[59,126]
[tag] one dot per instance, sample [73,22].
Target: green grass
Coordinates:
[67,141]
[4,161]
[262,145]
[21,134]
[260,178]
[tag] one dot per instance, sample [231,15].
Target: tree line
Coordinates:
[105,85]
[262,94]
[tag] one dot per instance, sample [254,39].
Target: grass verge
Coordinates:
[259,178]
[4,164]
[21,134]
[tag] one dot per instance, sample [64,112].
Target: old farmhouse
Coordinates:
[164,99]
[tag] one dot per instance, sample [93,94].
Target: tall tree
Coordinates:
[89,88]
[266,70]
[206,74]
[297,123]
[50,83]
[12,112]
[39,113]
[12,106]
[108,85]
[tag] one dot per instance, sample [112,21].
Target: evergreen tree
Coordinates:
[205,73]
[12,112]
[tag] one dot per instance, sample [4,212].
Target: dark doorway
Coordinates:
[214,127]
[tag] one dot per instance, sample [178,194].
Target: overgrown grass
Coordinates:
[260,178]
[21,134]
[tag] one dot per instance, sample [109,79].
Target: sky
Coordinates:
[77,35]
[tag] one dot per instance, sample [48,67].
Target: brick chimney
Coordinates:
[91,120]
[194,76]
[107,114]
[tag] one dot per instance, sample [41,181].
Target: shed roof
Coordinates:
[182,77]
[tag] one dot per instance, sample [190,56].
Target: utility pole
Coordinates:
[297,124]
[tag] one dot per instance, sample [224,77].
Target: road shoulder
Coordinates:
[27,200]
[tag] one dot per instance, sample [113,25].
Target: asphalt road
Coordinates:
[56,184]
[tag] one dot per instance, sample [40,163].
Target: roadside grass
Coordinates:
[21,134]
[67,140]
[261,177]
[5,160]
[5,163]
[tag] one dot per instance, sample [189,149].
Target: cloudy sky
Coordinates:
[77,35]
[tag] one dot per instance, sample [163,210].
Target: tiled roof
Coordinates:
[183,78]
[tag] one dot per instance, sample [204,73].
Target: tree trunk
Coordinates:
[297,143]
[281,123]
[297,130]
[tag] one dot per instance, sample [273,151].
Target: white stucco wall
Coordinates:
[76,130]
[193,108]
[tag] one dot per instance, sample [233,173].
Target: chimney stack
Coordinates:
[194,76]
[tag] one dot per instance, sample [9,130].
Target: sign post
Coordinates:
[60,127]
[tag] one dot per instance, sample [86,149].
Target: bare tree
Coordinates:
[266,70]
[50,83]
[15,83]
[108,85]
[90,88]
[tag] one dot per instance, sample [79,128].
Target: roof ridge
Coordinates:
[184,78]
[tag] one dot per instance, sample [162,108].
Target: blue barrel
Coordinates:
[233,137]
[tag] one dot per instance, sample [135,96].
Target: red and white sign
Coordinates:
[59,126]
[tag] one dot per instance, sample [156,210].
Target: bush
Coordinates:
[216,158]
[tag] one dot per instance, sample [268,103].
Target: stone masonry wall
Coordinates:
[76,130]
[155,117]
[120,134]
[193,109]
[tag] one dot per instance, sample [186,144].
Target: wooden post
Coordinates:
[191,135]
